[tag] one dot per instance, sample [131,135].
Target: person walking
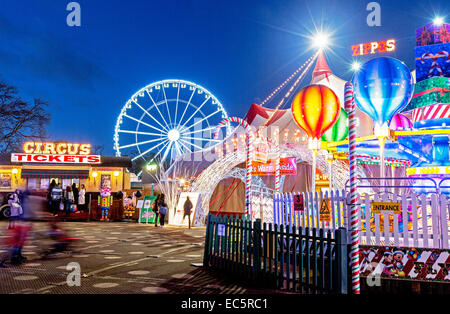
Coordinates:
[75,194]
[162,207]
[56,197]
[187,210]
[155,210]
[68,200]
[82,198]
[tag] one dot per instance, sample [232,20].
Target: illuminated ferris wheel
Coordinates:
[167,119]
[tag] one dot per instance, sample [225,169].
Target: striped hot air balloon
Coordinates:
[316,109]
[339,131]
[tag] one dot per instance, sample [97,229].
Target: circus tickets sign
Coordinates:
[288,166]
[405,263]
[58,159]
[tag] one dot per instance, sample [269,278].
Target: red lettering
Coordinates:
[54,158]
[367,47]
[355,49]
[93,159]
[39,158]
[69,159]
[382,46]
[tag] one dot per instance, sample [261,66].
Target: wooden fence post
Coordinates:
[257,250]
[341,261]
[207,240]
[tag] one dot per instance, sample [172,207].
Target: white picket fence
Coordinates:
[427,217]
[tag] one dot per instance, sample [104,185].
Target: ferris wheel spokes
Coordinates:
[142,122]
[146,112]
[198,109]
[139,133]
[149,150]
[190,99]
[176,106]
[205,118]
[167,105]
[140,143]
[156,106]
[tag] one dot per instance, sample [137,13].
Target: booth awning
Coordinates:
[49,174]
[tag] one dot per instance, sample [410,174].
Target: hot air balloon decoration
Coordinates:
[316,109]
[382,88]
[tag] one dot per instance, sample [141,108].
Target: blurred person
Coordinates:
[82,198]
[61,238]
[155,209]
[68,200]
[15,241]
[187,210]
[75,194]
[15,208]
[162,207]
[56,197]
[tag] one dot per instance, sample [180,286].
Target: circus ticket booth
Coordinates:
[39,164]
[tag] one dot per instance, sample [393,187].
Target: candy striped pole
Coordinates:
[354,213]
[250,157]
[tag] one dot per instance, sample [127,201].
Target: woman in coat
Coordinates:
[82,198]
[15,207]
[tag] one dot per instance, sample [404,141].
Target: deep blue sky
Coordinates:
[239,50]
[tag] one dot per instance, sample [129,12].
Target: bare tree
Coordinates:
[98,149]
[19,120]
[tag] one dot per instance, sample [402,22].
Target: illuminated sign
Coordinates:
[288,166]
[57,148]
[373,47]
[60,159]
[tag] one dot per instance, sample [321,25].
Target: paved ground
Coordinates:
[118,258]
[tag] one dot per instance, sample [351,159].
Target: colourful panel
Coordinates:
[429,92]
[431,34]
[438,111]
[432,61]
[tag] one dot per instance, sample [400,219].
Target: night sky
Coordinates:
[239,50]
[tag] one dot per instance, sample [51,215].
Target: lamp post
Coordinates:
[152,167]
[95,175]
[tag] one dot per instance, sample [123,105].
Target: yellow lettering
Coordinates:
[28,147]
[85,149]
[72,149]
[49,148]
[38,148]
[61,148]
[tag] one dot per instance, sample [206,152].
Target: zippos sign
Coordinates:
[373,47]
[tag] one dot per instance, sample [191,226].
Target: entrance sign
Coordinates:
[178,218]
[383,207]
[299,204]
[146,214]
[373,47]
[288,166]
[56,159]
[325,210]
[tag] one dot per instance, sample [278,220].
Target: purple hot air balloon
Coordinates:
[400,122]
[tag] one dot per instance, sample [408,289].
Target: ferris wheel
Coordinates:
[167,119]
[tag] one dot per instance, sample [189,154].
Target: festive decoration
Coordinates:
[339,131]
[438,111]
[432,61]
[429,92]
[105,200]
[432,34]
[250,154]
[383,87]
[316,109]
[354,213]
[400,122]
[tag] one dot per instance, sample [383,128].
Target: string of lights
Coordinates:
[293,87]
[287,80]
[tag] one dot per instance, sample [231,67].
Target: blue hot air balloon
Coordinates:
[383,87]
